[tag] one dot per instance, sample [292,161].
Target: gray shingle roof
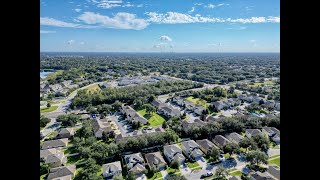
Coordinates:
[154,159]
[54,143]
[220,140]
[61,171]
[206,144]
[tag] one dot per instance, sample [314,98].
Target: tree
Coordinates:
[213,154]
[164,125]
[231,148]
[221,172]
[117,177]
[105,136]
[257,157]
[131,176]
[44,168]
[68,120]
[149,108]
[44,121]
[176,177]
[174,164]
[262,142]
[48,105]
[248,143]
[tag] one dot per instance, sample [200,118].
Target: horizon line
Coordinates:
[143,52]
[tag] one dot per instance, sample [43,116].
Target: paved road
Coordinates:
[273,152]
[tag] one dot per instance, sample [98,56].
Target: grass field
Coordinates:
[93,88]
[53,75]
[234,172]
[192,164]
[154,119]
[155,176]
[275,161]
[197,101]
[172,171]
[50,109]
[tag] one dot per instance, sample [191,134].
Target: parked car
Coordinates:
[206,175]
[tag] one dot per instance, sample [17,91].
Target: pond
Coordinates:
[44,74]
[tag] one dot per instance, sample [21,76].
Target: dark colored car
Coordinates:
[206,175]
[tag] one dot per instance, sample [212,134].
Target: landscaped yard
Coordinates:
[155,176]
[234,172]
[154,119]
[192,164]
[69,151]
[276,160]
[172,171]
[42,177]
[74,160]
[50,109]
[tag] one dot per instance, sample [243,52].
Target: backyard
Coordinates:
[50,109]
[155,176]
[198,101]
[154,119]
[274,160]
[192,164]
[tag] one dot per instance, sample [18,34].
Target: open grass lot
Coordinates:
[275,161]
[197,101]
[50,109]
[54,75]
[93,88]
[155,176]
[192,164]
[154,119]
[172,171]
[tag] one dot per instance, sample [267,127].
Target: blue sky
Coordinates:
[160,25]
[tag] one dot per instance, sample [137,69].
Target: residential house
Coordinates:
[270,131]
[261,176]
[178,100]
[111,169]
[211,118]
[206,145]
[103,125]
[47,152]
[187,125]
[105,85]
[218,106]
[65,133]
[56,160]
[198,109]
[135,163]
[157,104]
[155,160]
[56,88]
[269,104]
[220,141]
[173,152]
[45,88]
[85,116]
[169,111]
[63,172]
[133,116]
[252,132]
[274,171]
[191,149]
[54,143]
[234,137]
[277,106]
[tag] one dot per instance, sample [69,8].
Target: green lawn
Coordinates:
[278,155]
[99,173]
[154,119]
[197,101]
[42,177]
[69,151]
[155,176]
[275,161]
[172,171]
[227,155]
[236,173]
[74,160]
[53,134]
[50,109]
[93,88]
[192,164]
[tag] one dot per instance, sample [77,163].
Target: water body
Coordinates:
[44,74]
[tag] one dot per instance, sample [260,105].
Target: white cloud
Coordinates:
[106,4]
[70,42]
[46,32]
[198,4]
[120,20]
[238,28]
[175,18]
[81,43]
[140,5]
[53,22]
[127,5]
[192,10]
[165,38]
[210,6]
[77,10]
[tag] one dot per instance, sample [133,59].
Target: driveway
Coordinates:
[202,162]
[124,129]
[273,152]
[184,169]
[164,173]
